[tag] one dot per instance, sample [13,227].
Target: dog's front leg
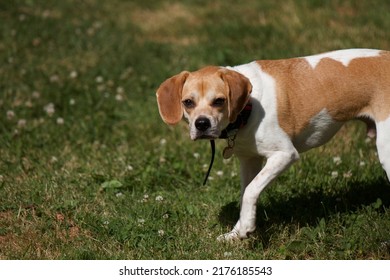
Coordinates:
[249,168]
[253,181]
[276,164]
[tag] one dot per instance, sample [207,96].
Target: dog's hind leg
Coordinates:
[383,144]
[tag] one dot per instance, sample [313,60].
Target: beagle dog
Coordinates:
[296,104]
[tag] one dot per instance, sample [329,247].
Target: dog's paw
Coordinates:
[230,236]
[246,229]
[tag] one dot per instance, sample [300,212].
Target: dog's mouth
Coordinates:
[204,135]
[207,137]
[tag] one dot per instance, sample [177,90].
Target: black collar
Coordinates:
[241,121]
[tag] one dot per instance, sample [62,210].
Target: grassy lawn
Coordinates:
[88,170]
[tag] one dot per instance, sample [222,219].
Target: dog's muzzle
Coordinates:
[203,128]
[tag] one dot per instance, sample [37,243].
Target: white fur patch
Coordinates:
[382,144]
[343,56]
[269,137]
[320,129]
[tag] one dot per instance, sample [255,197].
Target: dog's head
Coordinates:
[209,98]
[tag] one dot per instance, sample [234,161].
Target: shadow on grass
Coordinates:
[307,208]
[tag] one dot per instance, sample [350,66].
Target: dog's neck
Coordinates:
[230,133]
[241,121]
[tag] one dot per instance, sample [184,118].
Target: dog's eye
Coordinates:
[218,102]
[188,103]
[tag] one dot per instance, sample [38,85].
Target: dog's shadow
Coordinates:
[306,209]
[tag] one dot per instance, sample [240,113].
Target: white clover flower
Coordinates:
[72,102]
[49,109]
[54,78]
[165,216]
[161,232]
[22,123]
[99,79]
[334,174]
[60,121]
[36,94]
[196,155]
[73,75]
[163,141]
[220,173]
[337,160]
[119,194]
[28,104]
[119,97]
[227,254]
[159,198]
[120,90]
[141,221]
[10,114]
[362,163]
[129,168]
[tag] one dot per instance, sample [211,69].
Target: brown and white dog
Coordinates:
[297,104]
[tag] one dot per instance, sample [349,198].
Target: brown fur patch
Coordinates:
[361,88]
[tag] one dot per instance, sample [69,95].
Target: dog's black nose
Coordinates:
[202,123]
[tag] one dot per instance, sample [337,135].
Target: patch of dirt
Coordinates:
[167,24]
[35,237]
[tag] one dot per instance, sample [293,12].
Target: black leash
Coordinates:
[229,133]
[212,144]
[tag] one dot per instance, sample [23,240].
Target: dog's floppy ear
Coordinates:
[169,98]
[239,90]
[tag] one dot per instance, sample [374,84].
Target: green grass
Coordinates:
[89,171]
